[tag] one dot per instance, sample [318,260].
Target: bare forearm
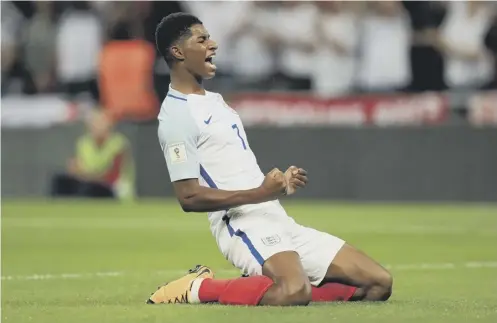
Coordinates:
[210,200]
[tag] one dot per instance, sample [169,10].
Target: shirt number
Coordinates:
[235,127]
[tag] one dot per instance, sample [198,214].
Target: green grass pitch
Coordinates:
[98,262]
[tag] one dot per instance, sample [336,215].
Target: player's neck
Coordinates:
[186,83]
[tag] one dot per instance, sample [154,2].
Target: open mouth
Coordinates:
[209,61]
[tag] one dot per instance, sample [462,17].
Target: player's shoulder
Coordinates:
[210,93]
[174,100]
[175,116]
[174,107]
[215,95]
[219,99]
[178,108]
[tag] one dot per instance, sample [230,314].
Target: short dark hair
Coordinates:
[170,29]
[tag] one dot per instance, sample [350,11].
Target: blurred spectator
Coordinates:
[125,79]
[335,61]
[123,20]
[468,63]
[293,29]
[491,45]
[323,46]
[79,41]
[426,61]
[152,13]
[12,20]
[250,46]
[384,46]
[220,19]
[39,48]
[103,166]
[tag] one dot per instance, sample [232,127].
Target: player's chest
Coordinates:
[220,125]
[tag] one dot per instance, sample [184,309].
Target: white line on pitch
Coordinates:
[64,276]
[413,267]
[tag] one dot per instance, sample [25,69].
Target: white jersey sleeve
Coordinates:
[178,136]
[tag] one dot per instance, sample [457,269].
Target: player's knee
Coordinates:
[295,292]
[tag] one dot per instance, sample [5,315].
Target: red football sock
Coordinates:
[211,289]
[332,292]
[239,291]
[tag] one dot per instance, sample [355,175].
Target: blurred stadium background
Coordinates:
[392,102]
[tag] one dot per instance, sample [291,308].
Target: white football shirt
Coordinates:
[202,137]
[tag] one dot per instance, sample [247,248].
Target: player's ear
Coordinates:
[177,52]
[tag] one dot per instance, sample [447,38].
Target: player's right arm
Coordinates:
[179,144]
[196,198]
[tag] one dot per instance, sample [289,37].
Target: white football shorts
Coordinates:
[249,237]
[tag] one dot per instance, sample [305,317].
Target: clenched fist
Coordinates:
[295,178]
[275,183]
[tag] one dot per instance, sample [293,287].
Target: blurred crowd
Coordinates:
[331,48]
